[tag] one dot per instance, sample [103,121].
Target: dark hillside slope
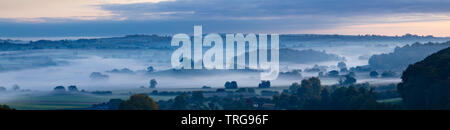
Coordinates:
[426,84]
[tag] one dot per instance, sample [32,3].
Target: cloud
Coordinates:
[267,9]
[288,15]
[265,16]
[39,10]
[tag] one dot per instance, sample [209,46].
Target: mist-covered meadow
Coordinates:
[43,69]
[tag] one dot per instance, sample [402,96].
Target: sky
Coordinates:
[60,18]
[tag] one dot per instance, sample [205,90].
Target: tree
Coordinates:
[343,70]
[353,97]
[197,96]
[333,73]
[286,101]
[373,74]
[227,84]
[72,88]
[181,102]
[309,88]
[264,84]
[325,97]
[2,89]
[347,80]
[231,85]
[59,89]
[153,83]
[341,65]
[6,107]
[150,69]
[321,74]
[294,87]
[234,85]
[16,87]
[352,74]
[139,102]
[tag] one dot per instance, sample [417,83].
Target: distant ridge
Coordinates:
[138,41]
[406,55]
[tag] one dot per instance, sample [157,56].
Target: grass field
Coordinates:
[391,101]
[48,101]
[52,101]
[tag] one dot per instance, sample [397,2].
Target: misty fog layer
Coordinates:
[73,67]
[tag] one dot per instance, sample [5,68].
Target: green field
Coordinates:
[52,101]
[48,101]
[391,101]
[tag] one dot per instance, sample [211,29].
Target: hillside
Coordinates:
[426,84]
[403,56]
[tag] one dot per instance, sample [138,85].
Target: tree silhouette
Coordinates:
[181,102]
[16,87]
[231,85]
[333,73]
[309,88]
[150,69]
[2,89]
[153,83]
[373,74]
[6,107]
[139,102]
[264,84]
[59,89]
[72,88]
[347,80]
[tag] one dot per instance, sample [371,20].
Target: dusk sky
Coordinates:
[53,18]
